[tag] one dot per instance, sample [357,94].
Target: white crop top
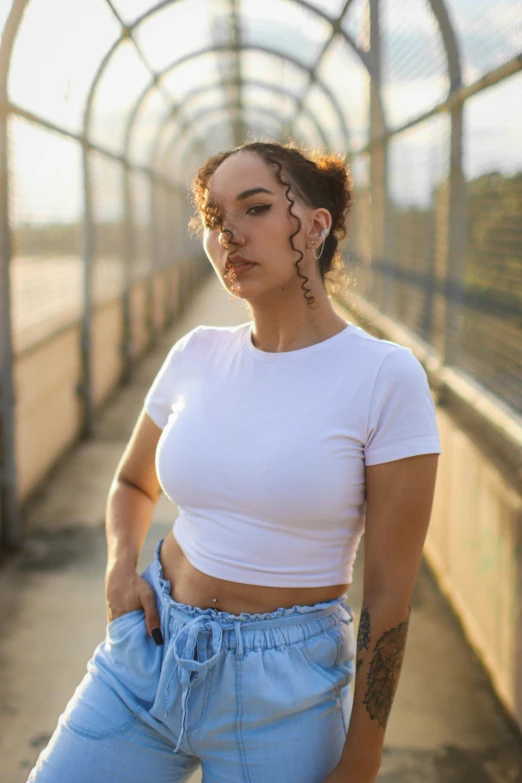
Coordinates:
[264,453]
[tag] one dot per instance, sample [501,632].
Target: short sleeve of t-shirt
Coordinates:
[158,401]
[402,417]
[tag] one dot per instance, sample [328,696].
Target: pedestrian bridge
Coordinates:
[107,107]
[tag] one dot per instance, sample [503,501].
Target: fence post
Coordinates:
[128,258]
[152,278]
[378,169]
[10,522]
[88,244]
[456,243]
[10,517]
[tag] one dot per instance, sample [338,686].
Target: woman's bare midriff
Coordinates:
[194,588]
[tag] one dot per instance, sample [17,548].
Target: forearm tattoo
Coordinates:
[384,669]
[363,636]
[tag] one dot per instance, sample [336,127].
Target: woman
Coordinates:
[279,440]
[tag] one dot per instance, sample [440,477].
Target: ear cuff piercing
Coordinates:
[324,233]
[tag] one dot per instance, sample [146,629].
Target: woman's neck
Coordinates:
[289,330]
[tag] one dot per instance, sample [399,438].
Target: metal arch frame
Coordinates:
[189,148]
[449,39]
[218,109]
[238,127]
[224,48]
[208,88]
[10,528]
[127,34]
[277,54]
[269,88]
[457,191]
[336,29]
[332,21]
[250,83]
[176,137]
[15,17]
[438,7]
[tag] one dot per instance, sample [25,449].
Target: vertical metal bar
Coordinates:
[456,245]
[154,328]
[155,244]
[10,522]
[452,271]
[378,165]
[11,533]
[128,259]
[238,124]
[88,250]
[177,242]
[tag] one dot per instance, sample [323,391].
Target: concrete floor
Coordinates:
[446,725]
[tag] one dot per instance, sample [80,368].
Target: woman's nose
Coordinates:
[230,236]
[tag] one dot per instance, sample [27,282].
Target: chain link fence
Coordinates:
[449,263]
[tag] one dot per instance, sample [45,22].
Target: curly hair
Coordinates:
[320,180]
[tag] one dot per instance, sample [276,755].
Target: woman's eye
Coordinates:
[258,209]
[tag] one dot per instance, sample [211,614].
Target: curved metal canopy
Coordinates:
[229,23]
[187,127]
[177,108]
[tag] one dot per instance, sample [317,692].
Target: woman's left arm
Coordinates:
[399,499]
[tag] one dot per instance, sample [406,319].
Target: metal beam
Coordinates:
[11,533]
[336,28]
[201,53]
[456,196]
[450,41]
[313,9]
[457,98]
[239,125]
[266,50]
[261,85]
[127,34]
[187,58]
[212,110]
[187,151]
[11,108]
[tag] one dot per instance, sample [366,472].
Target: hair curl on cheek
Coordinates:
[213,221]
[310,299]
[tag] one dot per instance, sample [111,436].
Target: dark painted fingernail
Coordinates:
[157,635]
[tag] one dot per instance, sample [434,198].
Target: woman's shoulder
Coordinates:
[207,341]
[209,337]
[374,350]
[212,332]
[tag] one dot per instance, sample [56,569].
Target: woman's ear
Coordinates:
[321,220]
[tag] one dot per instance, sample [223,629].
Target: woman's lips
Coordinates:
[239,265]
[243,267]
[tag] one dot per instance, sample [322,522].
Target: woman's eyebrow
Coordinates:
[252,192]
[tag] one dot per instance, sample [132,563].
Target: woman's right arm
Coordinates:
[132,498]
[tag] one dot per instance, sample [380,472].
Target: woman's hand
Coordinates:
[125,592]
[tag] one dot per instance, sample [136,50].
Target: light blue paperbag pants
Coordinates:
[253,698]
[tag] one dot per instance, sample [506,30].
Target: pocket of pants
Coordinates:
[95,711]
[123,618]
[130,656]
[332,654]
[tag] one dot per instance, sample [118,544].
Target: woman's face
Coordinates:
[252,205]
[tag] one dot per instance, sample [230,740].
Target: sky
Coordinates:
[61,43]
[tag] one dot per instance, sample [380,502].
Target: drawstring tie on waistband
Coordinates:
[184,649]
